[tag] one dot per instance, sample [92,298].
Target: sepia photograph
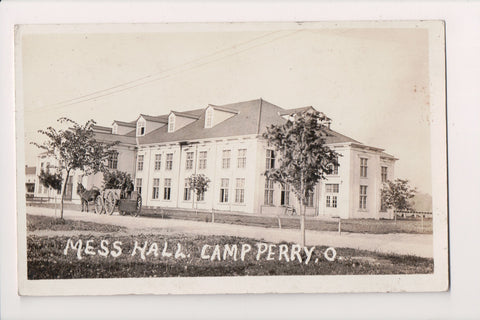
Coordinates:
[206,158]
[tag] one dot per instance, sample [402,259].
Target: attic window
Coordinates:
[141,128]
[209,118]
[171,123]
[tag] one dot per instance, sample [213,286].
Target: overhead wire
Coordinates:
[95,95]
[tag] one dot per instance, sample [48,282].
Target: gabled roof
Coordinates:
[160,119]
[101,128]
[251,117]
[109,137]
[387,155]
[300,110]
[130,124]
[188,114]
[132,133]
[223,108]
[296,110]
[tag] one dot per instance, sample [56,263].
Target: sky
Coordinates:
[372,82]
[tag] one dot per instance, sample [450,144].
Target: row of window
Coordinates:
[284,195]
[202,160]
[364,170]
[167,190]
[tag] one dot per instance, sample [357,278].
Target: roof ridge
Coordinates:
[185,113]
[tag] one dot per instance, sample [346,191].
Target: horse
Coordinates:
[87,195]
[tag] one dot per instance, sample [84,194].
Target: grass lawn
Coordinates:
[48,223]
[184,255]
[403,225]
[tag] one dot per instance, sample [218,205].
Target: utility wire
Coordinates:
[160,72]
[95,96]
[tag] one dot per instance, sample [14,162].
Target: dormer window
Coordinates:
[171,123]
[141,127]
[209,118]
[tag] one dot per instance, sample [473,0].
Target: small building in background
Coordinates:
[30,181]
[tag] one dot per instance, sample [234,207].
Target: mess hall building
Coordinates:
[225,144]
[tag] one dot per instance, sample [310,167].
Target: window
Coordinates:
[187,191]
[226,159]
[138,186]
[309,199]
[140,128]
[334,168]
[285,195]
[158,161]
[189,163]
[41,165]
[209,118]
[384,174]
[224,191]
[171,123]
[270,159]
[268,192]
[140,162]
[331,190]
[156,188]
[169,163]
[363,167]
[167,189]
[113,160]
[202,160]
[242,158]
[363,197]
[201,196]
[240,191]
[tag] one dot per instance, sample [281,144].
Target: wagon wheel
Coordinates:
[109,203]
[99,205]
[139,206]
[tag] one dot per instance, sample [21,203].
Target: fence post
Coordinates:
[279,222]
[422,221]
[340,226]
[213,216]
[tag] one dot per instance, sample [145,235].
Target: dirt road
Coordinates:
[400,243]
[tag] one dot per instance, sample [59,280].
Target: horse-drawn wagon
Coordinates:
[125,201]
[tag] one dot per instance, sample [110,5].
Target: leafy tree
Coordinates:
[117,180]
[51,180]
[304,159]
[75,148]
[397,194]
[199,184]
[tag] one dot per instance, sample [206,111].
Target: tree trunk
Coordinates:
[302,223]
[302,210]
[193,200]
[63,194]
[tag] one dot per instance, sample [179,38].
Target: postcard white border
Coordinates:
[263,284]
